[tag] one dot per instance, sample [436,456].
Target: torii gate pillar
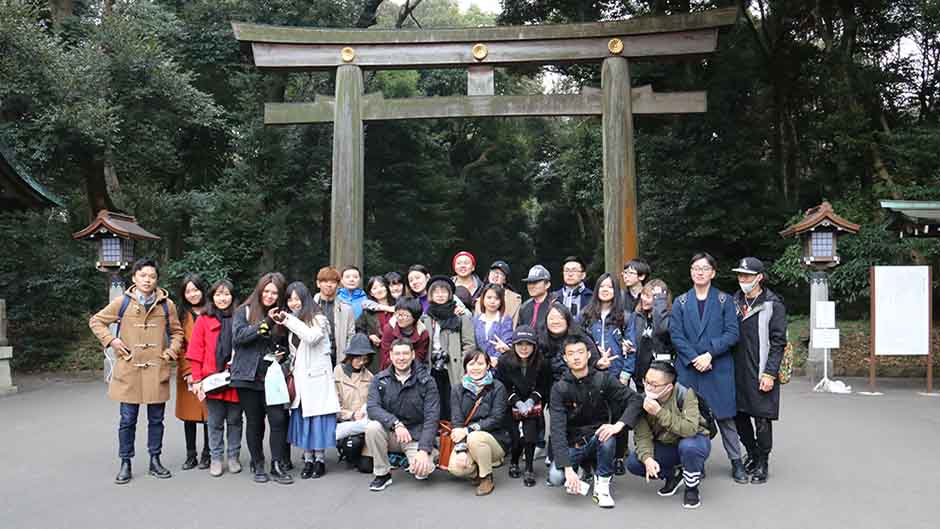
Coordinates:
[620,243]
[347,216]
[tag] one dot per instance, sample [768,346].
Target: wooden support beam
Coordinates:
[375,107]
[347,216]
[350,37]
[620,205]
[312,57]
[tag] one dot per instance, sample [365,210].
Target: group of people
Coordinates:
[421,372]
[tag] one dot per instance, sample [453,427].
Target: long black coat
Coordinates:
[747,358]
[490,415]
[650,334]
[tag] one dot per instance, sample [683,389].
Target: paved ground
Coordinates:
[840,462]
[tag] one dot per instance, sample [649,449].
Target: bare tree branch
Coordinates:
[407,10]
[368,16]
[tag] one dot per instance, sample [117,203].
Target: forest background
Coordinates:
[150,107]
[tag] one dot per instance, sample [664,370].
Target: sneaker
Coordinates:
[738,474]
[215,468]
[528,478]
[514,471]
[234,465]
[619,468]
[380,483]
[671,485]
[691,499]
[602,495]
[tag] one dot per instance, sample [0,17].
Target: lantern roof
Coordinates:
[821,215]
[119,224]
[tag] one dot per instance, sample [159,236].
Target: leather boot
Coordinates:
[307,472]
[280,475]
[738,474]
[319,469]
[257,468]
[760,471]
[750,463]
[191,461]
[156,468]
[204,460]
[124,475]
[486,485]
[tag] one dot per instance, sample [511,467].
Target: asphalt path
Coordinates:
[839,461]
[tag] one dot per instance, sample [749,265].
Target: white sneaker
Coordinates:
[602,495]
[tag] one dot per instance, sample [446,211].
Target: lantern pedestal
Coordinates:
[6,355]
[115,290]
[818,363]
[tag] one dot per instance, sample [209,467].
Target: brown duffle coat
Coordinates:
[143,377]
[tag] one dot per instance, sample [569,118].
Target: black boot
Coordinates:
[738,474]
[190,462]
[257,468]
[280,475]
[750,463]
[761,470]
[287,465]
[124,475]
[307,472]
[156,468]
[514,471]
[205,460]
[319,469]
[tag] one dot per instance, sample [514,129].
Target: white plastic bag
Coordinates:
[275,386]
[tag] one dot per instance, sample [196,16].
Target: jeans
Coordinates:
[127,429]
[729,438]
[691,453]
[593,450]
[253,403]
[222,415]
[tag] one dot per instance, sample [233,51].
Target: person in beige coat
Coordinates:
[148,340]
[352,386]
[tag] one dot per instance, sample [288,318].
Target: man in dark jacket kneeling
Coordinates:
[404,408]
[583,405]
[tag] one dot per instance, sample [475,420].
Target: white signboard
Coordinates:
[825,314]
[901,310]
[825,338]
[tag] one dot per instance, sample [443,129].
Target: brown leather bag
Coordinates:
[444,429]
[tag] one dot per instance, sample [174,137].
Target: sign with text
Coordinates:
[825,338]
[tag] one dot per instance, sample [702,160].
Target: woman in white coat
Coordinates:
[314,408]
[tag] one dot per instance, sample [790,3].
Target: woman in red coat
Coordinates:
[209,352]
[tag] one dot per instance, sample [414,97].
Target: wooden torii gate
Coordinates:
[480,50]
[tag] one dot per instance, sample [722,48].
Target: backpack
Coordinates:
[706,413]
[109,358]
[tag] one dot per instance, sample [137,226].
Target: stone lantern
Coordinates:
[819,232]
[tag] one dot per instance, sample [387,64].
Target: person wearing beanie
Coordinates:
[464,265]
[451,338]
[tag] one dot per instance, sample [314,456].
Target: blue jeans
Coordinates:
[127,429]
[691,453]
[593,451]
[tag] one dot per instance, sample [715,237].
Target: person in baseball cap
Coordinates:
[527,377]
[535,310]
[499,275]
[758,354]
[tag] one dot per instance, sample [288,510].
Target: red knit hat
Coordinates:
[473,260]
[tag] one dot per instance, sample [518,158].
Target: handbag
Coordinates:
[444,429]
[275,386]
[786,364]
[535,411]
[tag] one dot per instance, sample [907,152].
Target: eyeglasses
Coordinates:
[630,273]
[702,269]
[649,384]
[572,270]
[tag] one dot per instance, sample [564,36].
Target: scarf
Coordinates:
[223,346]
[444,315]
[476,386]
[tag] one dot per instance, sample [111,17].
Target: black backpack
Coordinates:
[707,416]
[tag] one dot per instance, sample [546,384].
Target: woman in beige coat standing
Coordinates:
[148,339]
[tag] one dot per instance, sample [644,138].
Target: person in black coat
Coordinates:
[589,409]
[559,324]
[479,409]
[757,356]
[527,377]
[648,329]
[404,410]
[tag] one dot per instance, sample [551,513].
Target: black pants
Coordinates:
[525,435]
[189,428]
[756,434]
[252,402]
[442,380]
